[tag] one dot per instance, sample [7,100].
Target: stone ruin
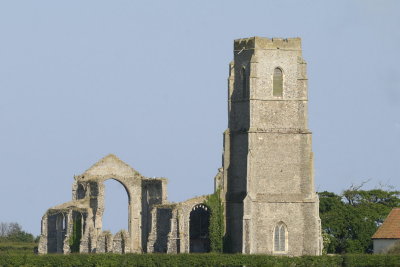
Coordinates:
[154,224]
[266,182]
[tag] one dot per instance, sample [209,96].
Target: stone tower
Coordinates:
[268,182]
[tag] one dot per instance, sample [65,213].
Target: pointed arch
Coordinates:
[277,82]
[280,238]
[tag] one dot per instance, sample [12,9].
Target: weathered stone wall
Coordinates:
[153,193]
[121,242]
[170,226]
[163,225]
[280,163]
[105,242]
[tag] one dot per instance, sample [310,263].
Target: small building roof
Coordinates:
[390,228]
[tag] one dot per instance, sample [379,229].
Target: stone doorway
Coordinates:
[199,229]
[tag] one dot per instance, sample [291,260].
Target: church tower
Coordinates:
[268,182]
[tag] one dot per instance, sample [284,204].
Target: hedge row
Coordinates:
[196,260]
[17,248]
[369,260]
[165,260]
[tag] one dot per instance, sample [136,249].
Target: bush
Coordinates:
[369,260]
[17,248]
[167,260]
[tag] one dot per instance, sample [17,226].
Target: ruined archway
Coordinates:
[199,224]
[95,183]
[77,225]
[116,206]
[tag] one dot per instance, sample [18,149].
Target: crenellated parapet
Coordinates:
[267,43]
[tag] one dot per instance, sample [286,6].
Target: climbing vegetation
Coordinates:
[216,230]
[75,240]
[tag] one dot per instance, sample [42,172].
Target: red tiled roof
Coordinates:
[390,227]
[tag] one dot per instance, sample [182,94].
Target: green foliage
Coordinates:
[12,232]
[350,219]
[363,260]
[17,248]
[75,239]
[167,260]
[195,260]
[21,236]
[216,230]
[326,239]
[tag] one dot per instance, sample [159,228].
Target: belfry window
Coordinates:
[280,240]
[244,83]
[278,82]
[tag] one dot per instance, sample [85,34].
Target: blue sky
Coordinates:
[147,81]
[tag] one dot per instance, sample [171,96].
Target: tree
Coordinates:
[350,219]
[12,232]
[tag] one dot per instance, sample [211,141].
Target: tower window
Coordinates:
[278,82]
[280,240]
[244,83]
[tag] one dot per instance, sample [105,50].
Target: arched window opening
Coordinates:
[199,229]
[81,192]
[116,203]
[280,240]
[243,76]
[56,232]
[278,82]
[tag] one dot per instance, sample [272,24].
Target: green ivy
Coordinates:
[216,228]
[75,240]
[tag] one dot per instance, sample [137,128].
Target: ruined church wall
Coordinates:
[153,193]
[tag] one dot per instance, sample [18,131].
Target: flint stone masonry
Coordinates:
[266,177]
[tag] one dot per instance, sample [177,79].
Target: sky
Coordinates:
[147,81]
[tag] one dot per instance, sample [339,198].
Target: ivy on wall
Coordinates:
[216,230]
[75,240]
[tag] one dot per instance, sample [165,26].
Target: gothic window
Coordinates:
[244,82]
[280,241]
[278,82]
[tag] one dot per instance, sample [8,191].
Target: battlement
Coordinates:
[267,43]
